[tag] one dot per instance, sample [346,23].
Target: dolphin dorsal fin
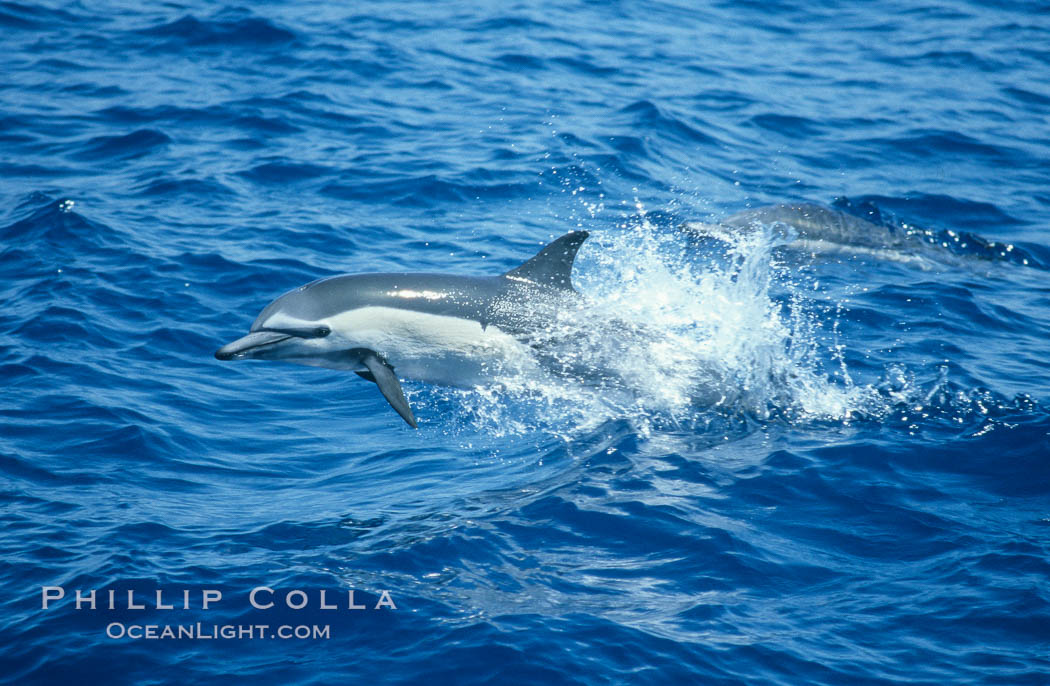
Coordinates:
[552,266]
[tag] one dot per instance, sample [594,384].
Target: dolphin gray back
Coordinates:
[816,222]
[442,294]
[485,299]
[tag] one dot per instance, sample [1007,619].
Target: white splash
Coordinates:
[667,339]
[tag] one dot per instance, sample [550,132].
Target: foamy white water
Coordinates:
[665,337]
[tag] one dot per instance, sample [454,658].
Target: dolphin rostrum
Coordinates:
[439,328]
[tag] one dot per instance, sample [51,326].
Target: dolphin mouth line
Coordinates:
[241,347]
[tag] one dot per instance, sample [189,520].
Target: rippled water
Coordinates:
[821,466]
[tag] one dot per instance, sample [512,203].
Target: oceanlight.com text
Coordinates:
[202,631]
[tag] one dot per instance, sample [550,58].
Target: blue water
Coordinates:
[870,505]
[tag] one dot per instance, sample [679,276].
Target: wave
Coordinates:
[126,147]
[189,31]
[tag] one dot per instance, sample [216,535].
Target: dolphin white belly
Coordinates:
[435,348]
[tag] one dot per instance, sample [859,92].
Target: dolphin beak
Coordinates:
[243,347]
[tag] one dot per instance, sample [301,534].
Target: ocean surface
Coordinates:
[816,466]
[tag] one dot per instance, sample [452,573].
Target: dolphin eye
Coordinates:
[322,331]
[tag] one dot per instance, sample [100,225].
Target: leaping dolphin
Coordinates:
[432,327]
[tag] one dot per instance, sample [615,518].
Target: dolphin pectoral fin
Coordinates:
[367,376]
[383,376]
